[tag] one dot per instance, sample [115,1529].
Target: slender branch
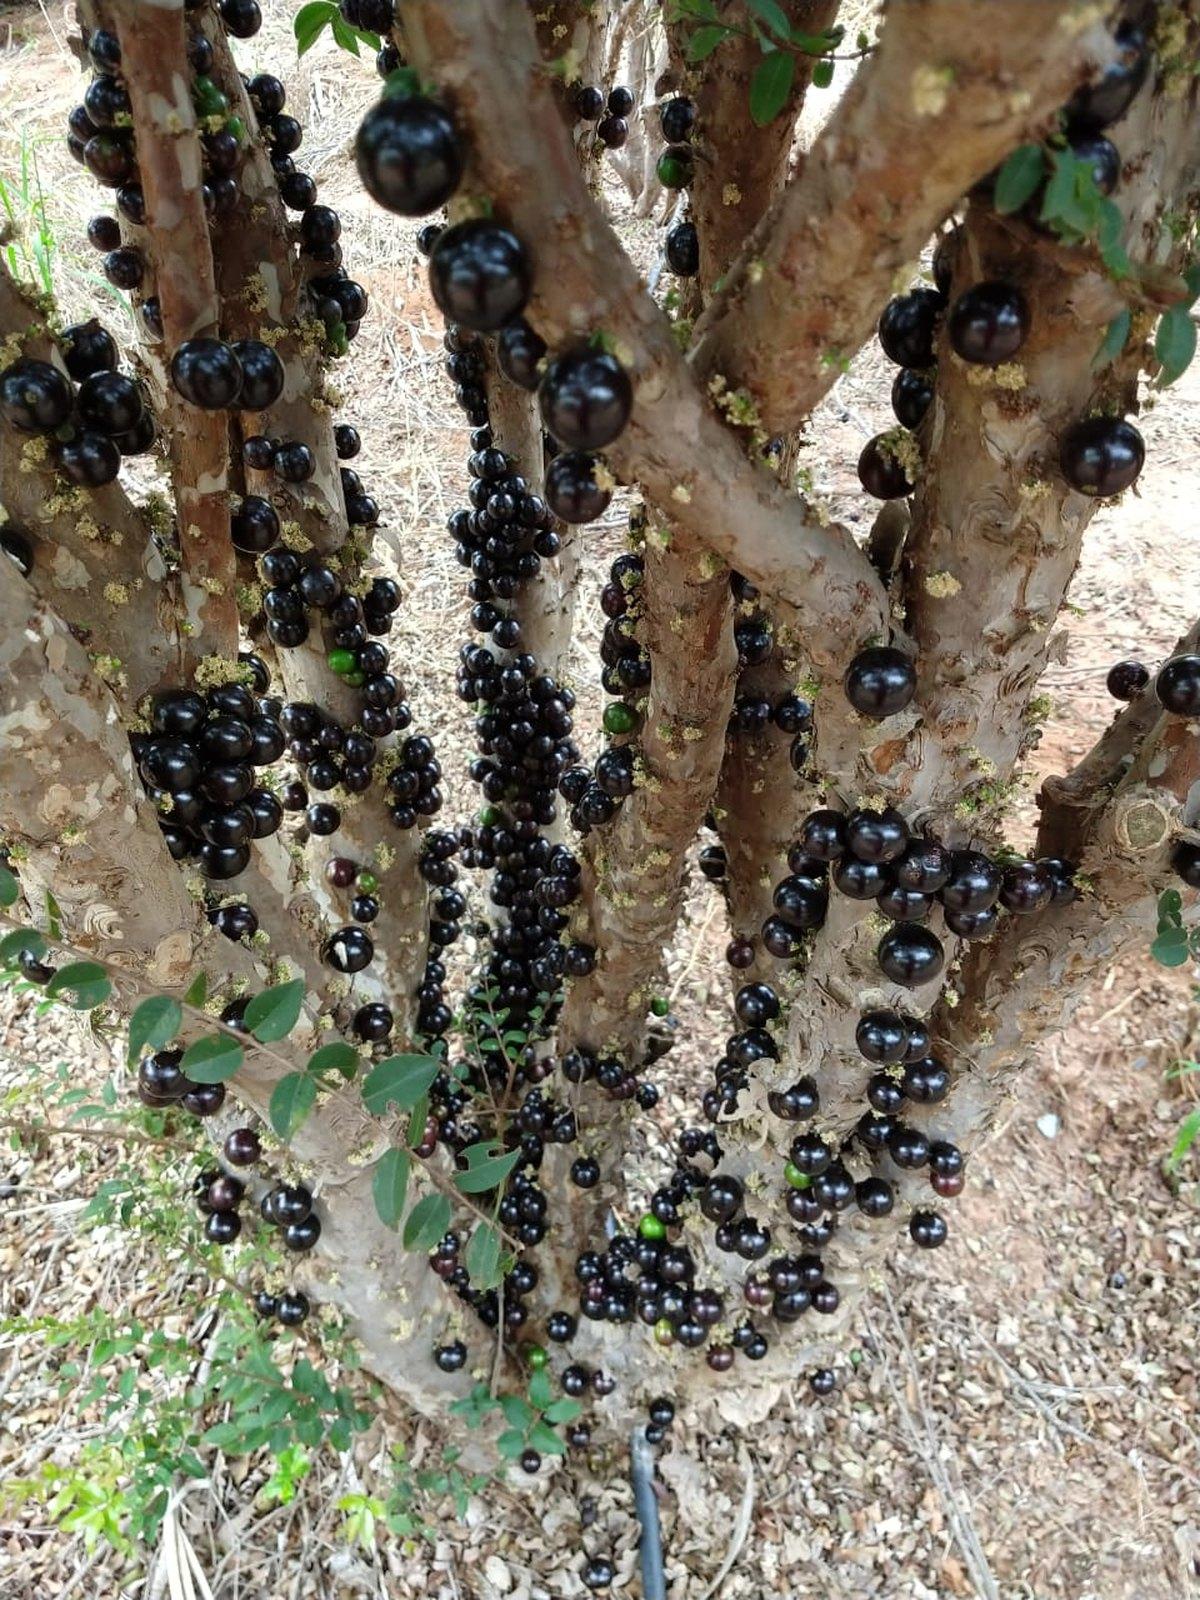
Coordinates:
[154,58]
[483,54]
[947,95]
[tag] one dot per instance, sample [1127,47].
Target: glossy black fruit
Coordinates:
[924,866]
[585,398]
[1103,159]
[908,326]
[988,323]
[1178,686]
[409,155]
[880,681]
[875,1197]
[89,459]
[242,1147]
[875,835]
[207,373]
[262,374]
[293,1308]
[1101,456]
[109,403]
[910,954]
[927,1229]
[34,396]
[1127,679]
[1026,887]
[572,492]
[303,1235]
[882,470]
[479,274]
[912,395]
[87,348]
[241,18]
[518,351]
[881,1036]
[254,526]
[683,250]
[973,884]
[677,119]
[1098,105]
[1185,861]
[348,950]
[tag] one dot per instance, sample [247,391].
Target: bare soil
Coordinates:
[1015,1417]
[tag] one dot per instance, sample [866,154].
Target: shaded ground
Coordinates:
[1016,1417]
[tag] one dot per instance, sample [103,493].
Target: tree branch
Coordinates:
[154,60]
[949,92]
[483,54]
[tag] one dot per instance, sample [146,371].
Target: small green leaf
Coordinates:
[426,1222]
[292,1098]
[1018,178]
[335,1057]
[540,1392]
[85,984]
[212,1059]
[704,41]
[563,1410]
[346,37]
[772,16]
[1115,337]
[822,74]
[770,86]
[197,991]
[543,1437]
[1189,1130]
[511,1444]
[1109,233]
[486,1174]
[155,1022]
[401,1080]
[20,939]
[1170,949]
[1191,276]
[9,888]
[311,21]
[1174,344]
[482,1257]
[390,1185]
[518,1413]
[273,1014]
[1170,905]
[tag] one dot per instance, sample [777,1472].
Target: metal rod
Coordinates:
[645,1501]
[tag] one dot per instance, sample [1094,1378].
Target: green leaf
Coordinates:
[401,84]
[1174,344]
[1018,178]
[822,74]
[563,1410]
[426,1222]
[1115,336]
[704,41]
[311,21]
[1170,948]
[770,86]
[335,1057]
[197,991]
[1191,276]
[401,1080]
[540,1392]
[390,1185]
[273,1014]
[511,1444]
[543,1437]
[155,1022]
[1189,1130]
[772,16]
[1170,905]
[1064,206]
[486,1174]
[85,984]
[345,36]
[518,1413]
[292,1098]
[482,1256]
[212,1059]
[21,939]
[1109,231]
[9,888]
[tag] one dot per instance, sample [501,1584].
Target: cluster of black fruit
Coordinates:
[675,168]
[198,764]
[353,626]
[506,532]
[93,425]
[1177,689]
[609,112]
[162,1082]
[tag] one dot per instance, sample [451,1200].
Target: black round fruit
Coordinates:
[585,398]
[479,274]
[880,681]
[572,492]
[882,470]
[910,954]
[1127,679]
[908,325]
[677,119]
[409,155]
[927,1229]
[87,348]
[1178,686]
[207,373]
[262,374]
[881,1036]
[89,459]
[683,250]
[1098,105]
[518,351]
[912,395]
[1185,861]
[988,323]
[292,1308]
[348,950]
[254,526]
[1101,456]
[110,403]
[34,396]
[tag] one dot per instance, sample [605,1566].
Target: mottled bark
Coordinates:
[950,91]
[154,61]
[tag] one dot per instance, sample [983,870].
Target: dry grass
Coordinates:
[1010,1423]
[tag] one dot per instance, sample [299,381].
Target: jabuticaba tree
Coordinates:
[209,762]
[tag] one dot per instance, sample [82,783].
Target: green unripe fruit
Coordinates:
[659,1006]
[619,718]
[341,662]
[650,1227]
[535,1357]
[366,882]
[797,1179]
